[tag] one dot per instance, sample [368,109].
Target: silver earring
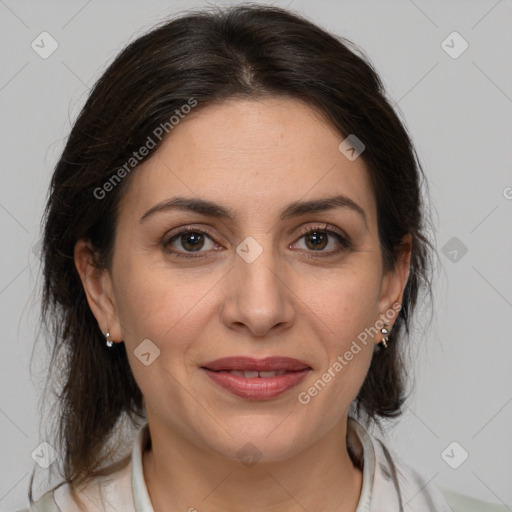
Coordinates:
[383,342]
[110,343]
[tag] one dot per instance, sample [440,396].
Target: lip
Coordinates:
[256,388]
[267,364]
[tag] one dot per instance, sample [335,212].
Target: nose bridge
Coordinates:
[257,266]
[259,296]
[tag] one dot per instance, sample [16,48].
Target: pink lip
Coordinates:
[257,388]
[267,364]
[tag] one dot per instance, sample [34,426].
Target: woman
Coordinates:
[234,246]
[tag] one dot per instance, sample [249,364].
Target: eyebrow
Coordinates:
[295,209]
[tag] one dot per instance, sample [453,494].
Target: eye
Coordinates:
[318,238]
[191,240]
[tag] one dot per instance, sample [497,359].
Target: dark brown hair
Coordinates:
[247,51]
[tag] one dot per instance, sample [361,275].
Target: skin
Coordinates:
[254,157]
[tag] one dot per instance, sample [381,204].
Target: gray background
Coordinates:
[459,114]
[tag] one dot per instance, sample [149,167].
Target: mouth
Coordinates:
[256,379]
[248,374]
[248,364]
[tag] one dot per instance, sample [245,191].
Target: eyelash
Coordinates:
[342,239]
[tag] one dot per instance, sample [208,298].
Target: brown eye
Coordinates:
[192,241]
[188,241]
[316,240]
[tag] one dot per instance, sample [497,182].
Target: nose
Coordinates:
[258,298]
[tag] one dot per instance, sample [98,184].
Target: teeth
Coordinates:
[272,374]
[237,373]
[254,374]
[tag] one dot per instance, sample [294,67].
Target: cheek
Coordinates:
[343,312]
[346,302]
[157,304]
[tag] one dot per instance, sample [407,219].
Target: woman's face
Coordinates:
[253,285]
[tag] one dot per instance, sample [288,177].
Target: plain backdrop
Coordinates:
[458,108]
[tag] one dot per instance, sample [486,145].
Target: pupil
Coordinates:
[319,240]
[192,241]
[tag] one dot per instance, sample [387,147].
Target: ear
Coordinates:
[395,280]
[98,289]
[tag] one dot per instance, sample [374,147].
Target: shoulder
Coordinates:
[464,503]
[419,493]
[112,492]
[395,485]
[397,482]
[46,503]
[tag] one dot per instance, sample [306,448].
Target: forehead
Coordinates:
[253,155]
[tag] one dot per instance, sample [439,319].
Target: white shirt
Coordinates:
[383,474]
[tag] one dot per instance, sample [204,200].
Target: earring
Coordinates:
[383,342]
[110,343]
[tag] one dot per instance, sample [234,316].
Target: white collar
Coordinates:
[383,473]
[355,432]
[378,492]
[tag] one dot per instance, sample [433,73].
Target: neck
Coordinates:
[181,476]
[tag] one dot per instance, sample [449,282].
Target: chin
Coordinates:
[261,442]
